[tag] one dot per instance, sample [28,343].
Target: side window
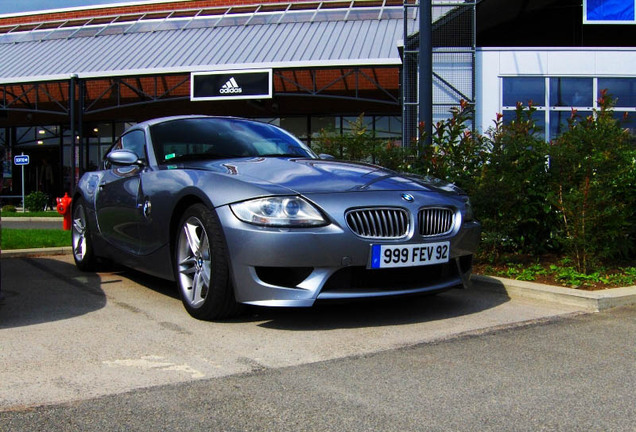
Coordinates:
[135,141]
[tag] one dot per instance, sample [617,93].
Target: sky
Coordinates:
[18,6]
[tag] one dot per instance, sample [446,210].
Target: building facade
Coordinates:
[72,80]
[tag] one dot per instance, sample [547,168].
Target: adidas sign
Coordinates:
[230,87]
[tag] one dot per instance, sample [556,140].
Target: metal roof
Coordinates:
[289,39]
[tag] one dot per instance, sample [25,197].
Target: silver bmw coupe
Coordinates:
[241,212]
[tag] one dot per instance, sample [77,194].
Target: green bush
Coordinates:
[593,187]
[456,154]
[511,198]
[8,208]
[504,172]
[35,201]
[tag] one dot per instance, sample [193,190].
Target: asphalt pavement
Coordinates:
[116,351]
[570,373]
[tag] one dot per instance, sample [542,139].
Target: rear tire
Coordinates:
[202,266]
[83,253]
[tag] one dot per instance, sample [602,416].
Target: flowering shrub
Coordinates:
[593,187]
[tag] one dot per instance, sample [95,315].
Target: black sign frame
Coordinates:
[231,85]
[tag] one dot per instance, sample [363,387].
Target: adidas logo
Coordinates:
[230,87]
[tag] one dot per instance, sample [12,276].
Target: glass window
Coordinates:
[388,126]
[537,116]
[135,141]
[328,124]
[270,120]
[574,92]
[559,121]
[349,123]
[120,128]
[40,135]
[296,125]
[25,135]
[100,139]
[523,90]
[622,89]
[627,120]
[212,138]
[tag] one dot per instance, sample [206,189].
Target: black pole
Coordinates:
[80,128]
[426,71]
[71,103]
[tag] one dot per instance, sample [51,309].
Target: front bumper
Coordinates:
[297,267]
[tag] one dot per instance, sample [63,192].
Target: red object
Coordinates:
[64,208]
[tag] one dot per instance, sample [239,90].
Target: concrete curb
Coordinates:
[22,253]
[593,301]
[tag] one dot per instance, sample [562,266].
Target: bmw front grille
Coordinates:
[380,223]
[435,221]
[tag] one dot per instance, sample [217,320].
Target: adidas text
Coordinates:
[230,87]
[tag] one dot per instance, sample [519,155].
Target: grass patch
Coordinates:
[30,214]
[34,238]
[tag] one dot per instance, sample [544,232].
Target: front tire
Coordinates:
[83,253]
[202,266]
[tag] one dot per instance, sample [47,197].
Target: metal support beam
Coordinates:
[425,87]
[83,146]
[72,114]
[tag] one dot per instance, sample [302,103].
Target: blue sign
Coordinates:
[21,159]
[609,12]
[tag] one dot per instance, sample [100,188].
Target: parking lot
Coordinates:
[67,335]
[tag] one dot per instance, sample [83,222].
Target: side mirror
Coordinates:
[326,156]
[123,157]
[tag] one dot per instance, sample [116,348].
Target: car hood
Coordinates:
[304,176]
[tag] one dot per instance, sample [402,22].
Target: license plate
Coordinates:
[391,256]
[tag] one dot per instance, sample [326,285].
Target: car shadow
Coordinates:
[56,290]
[388,311]
[379,312]
[40,290]
[161,286]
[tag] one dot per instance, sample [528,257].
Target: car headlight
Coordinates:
[278,212]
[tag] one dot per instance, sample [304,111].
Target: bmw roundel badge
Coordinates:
[408,197]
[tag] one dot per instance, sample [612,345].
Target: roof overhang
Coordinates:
[281,45]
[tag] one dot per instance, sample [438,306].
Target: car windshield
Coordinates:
[222,138]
